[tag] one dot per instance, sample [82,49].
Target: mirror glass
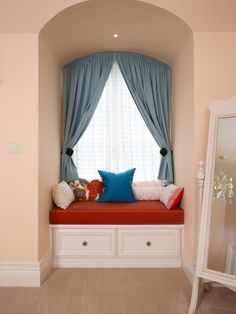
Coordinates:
[222,237]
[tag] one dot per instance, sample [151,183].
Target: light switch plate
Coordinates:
[15,147]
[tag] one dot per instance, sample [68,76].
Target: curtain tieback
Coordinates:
[69,151]
[163,151]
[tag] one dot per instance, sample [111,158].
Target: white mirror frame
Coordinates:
[218,110]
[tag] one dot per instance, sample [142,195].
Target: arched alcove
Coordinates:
[88,27]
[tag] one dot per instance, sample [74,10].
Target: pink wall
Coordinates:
[49,137]
[214,77]
[19,172]
[214,71]
[182,138]
[200,15]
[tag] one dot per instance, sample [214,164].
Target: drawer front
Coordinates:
[143,243]
[69,243]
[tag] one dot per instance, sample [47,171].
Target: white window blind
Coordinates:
[117,138]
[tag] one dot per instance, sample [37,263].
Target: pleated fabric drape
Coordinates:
[83,83]
[148,81]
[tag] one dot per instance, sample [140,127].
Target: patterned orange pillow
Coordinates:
[85,190]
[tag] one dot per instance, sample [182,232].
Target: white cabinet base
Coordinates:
[117,245]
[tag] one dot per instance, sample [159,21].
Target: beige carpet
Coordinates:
[114,291]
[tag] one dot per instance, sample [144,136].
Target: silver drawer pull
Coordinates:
[85,243]
[149,243]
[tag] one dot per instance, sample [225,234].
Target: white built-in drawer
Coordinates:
[144,243]
[73,243]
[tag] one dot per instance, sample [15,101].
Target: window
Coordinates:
[117,138]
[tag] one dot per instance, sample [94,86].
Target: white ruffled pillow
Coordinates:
[147,183]
[62,195]
[149,193]
[149,190]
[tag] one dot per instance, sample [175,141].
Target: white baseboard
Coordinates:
[116,263]
[19,275]
[188,267]
[25,275]
[45,266]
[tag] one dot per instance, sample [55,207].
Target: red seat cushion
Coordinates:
[141,212]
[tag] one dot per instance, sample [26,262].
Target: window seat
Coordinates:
[141,212]
[93,234]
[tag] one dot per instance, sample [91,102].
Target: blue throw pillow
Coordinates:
[117,186]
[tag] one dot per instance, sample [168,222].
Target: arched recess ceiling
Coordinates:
[88,27]
[29,16]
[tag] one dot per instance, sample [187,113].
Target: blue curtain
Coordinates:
[83,83]
[148,81]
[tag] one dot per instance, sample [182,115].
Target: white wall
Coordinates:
[49,136]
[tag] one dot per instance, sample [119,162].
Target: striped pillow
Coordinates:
[171,196]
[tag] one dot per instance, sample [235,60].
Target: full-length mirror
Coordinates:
[216,256]
[222,236]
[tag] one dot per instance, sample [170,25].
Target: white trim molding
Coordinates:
[188,267]
[45,266]
[117,263]
[19,275]
[25,275]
